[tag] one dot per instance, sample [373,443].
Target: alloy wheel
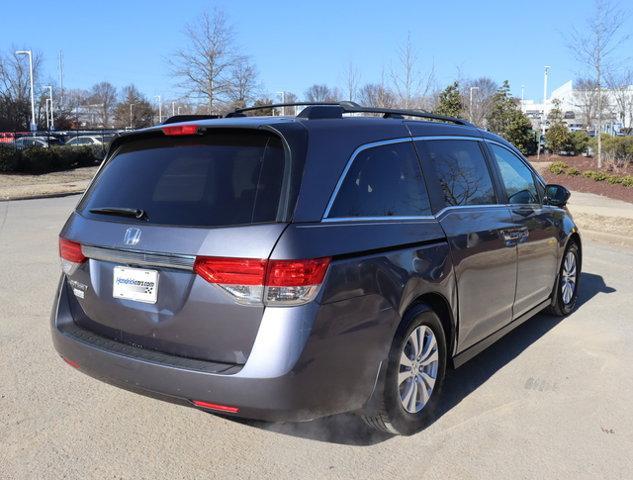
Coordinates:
[568,280]
[419,362]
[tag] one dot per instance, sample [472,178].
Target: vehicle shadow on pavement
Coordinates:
[348,429]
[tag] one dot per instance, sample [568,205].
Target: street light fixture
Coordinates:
[50,98]
[30,54]
[470,108]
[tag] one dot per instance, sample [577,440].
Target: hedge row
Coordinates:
[559,168]
[43,160]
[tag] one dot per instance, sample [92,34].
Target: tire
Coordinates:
[392,415]
[564,302]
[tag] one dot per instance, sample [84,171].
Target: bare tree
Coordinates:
[205,68]
[133,110]
[376,95]
[621,87]
[484,90]
[594,48]
[586,100]
[244,84]
[410,84]
[352,80]
[103,97]
[322,93]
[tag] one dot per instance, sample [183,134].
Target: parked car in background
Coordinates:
[30,142]
[288,268]
[95,143]
[84,141]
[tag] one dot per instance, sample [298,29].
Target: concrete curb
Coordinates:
[39,196]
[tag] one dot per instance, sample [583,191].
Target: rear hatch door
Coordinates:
[159,203]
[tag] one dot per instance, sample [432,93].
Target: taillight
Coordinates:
[272,282]
[294,282]
[180,130]
[70,255]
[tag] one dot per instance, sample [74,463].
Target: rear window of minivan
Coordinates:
[221,178]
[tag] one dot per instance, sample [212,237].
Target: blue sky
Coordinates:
[295,44]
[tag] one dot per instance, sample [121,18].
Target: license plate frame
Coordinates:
[135,284]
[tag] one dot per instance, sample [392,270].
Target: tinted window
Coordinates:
[517,177]
[215,180]
[462,172]
[383,181]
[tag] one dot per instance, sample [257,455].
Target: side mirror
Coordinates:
[556,195]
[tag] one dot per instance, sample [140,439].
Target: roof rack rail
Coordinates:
[239,112]
[337,109]
[189,118]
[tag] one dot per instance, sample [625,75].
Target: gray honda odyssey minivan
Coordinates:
[287,268]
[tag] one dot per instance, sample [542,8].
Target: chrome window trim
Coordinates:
[378,219]
[135,257]
[447,137]
[451,208]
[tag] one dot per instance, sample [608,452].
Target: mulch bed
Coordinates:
[582,184]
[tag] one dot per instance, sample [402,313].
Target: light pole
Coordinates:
[46,109]
[544,113]
[131,115]
[50,97]
[470,108]
[30,54]
[160,109]
[282,95]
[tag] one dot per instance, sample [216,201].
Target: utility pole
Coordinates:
[470,108]
[50,97]
[30,54]
[131,115]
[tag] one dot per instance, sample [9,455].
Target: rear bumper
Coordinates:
[291,374]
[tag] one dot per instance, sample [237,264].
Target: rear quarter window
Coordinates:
[382,181]
[218,179]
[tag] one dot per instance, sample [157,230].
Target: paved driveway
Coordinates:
[551,400]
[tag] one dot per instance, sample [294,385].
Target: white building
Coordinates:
[578,108]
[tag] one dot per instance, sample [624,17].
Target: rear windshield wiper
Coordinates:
[123,212]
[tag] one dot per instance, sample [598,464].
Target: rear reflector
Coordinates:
[71,363]
[215,406]
[180,130]
[274,282]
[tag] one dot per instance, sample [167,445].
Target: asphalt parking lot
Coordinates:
[551,400]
